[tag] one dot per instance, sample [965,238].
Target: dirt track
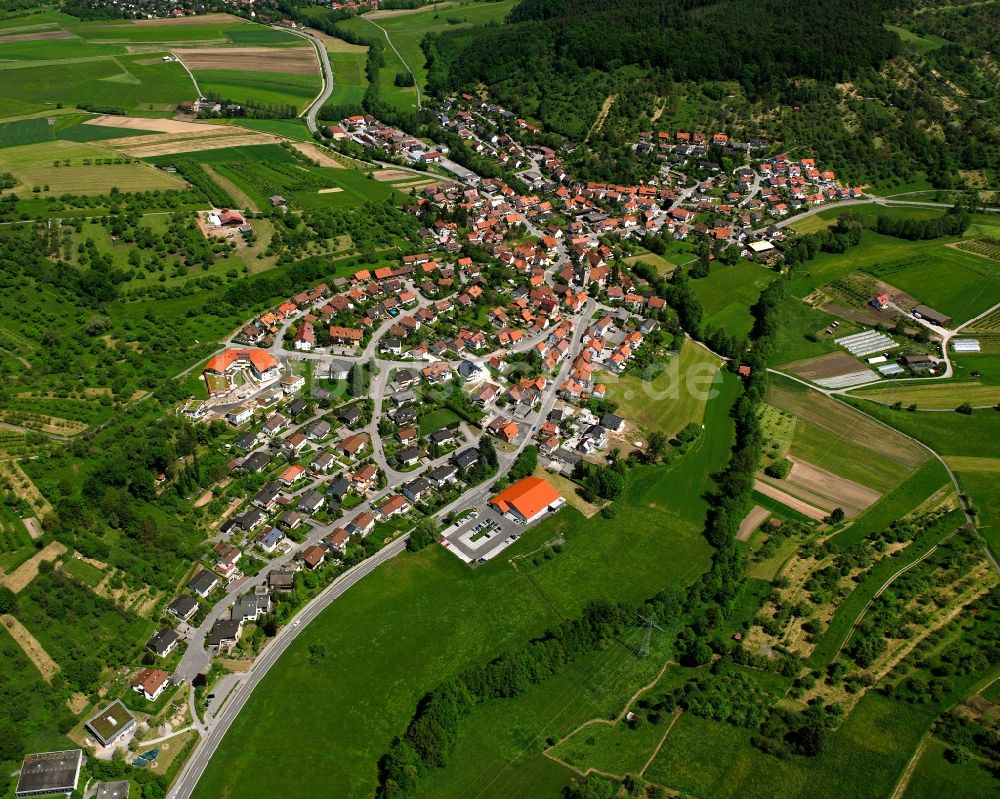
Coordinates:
[18,579]
[754,519]
[300,60]
[789,501]
[46,666]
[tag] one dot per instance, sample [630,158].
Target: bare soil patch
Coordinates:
[46,666]
[848,494]
[298,60]
[389,175]
[33,526]
[18,579]
[77,703]
[332,190]
[789,501]
[204,499]
[156,125]
[172,145]
[833,364]
[867,316]
[36,37]
[203,19]
[315,153]
[754,519]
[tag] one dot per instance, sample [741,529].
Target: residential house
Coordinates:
[163,642]
[150,683]
[183,607]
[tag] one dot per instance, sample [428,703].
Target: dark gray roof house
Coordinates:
[466,458]
[281,580]
[203,583]
[163,642]
[339,488]
[185,606]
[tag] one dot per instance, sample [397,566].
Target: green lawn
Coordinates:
[673,398]
[421,618]
[728,292]
[864,758]
[222,30]
[349,79]
[923,43]
[15,543]
[84,572]
[436,419]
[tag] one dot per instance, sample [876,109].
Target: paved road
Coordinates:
[217,728]
[324,60]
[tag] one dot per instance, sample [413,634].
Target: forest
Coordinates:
[546,44]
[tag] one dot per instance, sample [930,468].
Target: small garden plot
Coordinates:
[988,248]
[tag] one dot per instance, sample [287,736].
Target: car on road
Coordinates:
[296,623]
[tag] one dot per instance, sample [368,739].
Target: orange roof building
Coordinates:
[218,370]
[528,499]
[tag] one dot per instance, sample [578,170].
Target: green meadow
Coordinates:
[423,617]
[727,293]
[269,88]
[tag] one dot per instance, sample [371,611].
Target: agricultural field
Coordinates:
[663,266]
[262,88]
[121,64]
[61,167]
[933,395]
[435,617]
[672,398]
[834,437]
[936,776]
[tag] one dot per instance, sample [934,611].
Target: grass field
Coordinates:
[422,617]
[269,88]
[728,292]
[862,759]
[921,484]
[132,82]
[663,266]
[923,43]
[348,64]
[436,419]
[936,777]
[35,165]
[673,398]
[86,573]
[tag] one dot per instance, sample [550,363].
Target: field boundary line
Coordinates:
[663,740]
[402,60]
[180,61]
[904,779]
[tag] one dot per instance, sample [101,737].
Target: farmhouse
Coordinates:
[49,773]
[528,500]
[219,373]
[112,725]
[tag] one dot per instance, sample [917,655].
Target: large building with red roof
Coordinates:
[528,499]
[219,371]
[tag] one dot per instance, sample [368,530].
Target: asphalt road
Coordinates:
[324,60]
[217,728]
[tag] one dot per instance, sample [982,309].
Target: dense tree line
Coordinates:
[952,223]
[838,238]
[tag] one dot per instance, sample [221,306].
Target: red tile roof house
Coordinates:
[150,683]
[352,445]
[226,558]
[314,556]
[337,540]
[394,506]
[292,474]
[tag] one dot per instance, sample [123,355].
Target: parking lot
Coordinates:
[481,537]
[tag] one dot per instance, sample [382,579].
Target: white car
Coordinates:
[296,623]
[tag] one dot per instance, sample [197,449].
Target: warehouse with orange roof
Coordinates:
[528,500]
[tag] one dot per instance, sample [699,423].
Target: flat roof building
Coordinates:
[112,724]
[112,790]
[49,773]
